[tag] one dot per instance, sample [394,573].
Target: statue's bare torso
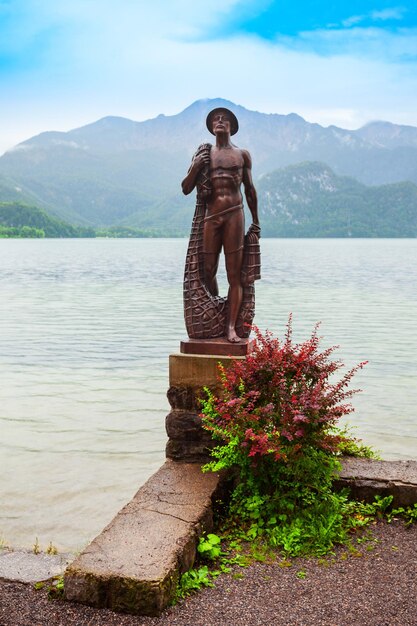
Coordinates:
[226,171]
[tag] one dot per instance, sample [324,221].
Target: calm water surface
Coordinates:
[86,327]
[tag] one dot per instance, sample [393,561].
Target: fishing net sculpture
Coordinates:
[218,172]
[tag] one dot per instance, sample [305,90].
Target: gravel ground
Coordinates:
[376,586]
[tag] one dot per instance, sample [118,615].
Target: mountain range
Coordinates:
[310,200]
[119,172]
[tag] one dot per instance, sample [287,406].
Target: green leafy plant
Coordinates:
[209,547]
[409,514]
[193,580]
[218,562]
[352,446]
[56,588]
[276,418]
[39,585]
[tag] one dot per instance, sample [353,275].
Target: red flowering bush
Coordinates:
[280,399]
[276,417]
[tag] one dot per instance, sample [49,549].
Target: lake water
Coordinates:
[86,327]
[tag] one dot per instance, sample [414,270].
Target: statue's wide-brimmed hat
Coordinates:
[234,124]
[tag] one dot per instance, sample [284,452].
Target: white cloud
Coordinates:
[396,13]
[362,43]
[354,19]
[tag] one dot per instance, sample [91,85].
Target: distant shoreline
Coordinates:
[186,237]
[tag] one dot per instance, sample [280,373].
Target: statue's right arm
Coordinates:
[190,181]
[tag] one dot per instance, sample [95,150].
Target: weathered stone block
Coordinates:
[190,451]
[184,425]
[134,564]
[186,398]
[367,478]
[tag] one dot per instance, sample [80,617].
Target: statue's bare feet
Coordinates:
[232,336]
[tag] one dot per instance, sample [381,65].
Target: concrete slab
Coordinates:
[27,567]
[367,478]
[134,564]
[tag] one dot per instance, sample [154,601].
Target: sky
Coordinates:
[66,64]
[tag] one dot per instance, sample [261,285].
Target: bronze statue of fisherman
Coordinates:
[218,172]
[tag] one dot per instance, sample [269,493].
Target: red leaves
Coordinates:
[280,398]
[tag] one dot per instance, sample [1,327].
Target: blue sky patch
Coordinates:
[269,20]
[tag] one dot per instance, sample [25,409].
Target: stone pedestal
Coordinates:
[188,375]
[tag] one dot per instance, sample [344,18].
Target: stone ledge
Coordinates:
[134,564]
[367,478]
[26,567]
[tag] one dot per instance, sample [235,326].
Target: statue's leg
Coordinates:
[234,299]
[233,238]
[211,263]
[212,245]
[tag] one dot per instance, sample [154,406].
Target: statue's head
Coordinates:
[222,113]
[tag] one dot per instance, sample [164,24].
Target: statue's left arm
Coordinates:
[201,159]
[250,191]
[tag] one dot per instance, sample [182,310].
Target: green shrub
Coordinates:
[277,420]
